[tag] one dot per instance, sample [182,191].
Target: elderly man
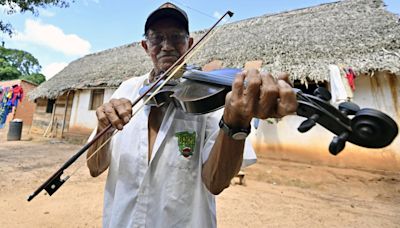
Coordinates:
[165,166]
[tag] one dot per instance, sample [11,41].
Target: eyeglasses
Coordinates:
[175,38]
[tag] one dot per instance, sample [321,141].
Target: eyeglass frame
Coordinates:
[182,39]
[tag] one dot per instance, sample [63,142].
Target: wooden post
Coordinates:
[51,121]
[65,114]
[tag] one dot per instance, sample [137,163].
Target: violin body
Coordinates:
[199,98]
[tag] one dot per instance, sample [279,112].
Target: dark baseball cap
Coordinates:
[168,10]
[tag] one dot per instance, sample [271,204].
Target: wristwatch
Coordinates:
[234,133]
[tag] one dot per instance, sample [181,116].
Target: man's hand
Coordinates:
[259,95]
[117,112]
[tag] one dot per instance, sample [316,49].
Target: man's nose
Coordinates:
[167,45]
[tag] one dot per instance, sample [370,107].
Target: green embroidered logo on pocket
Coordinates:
[186,143]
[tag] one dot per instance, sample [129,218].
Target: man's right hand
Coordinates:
[117,112]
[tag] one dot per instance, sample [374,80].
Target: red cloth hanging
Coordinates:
[350,75]
[18,93]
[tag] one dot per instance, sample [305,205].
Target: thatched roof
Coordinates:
[361,34]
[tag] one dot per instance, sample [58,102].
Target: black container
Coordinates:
[14,130]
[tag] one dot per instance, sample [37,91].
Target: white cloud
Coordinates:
[218,15]
[52,69]
[46,13]
[86,2]
[53,37]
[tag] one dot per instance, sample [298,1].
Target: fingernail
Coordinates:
[120,126]
[126,119]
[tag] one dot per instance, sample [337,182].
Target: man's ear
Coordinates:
[190,42]
[144,45]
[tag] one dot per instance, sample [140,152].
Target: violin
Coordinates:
[203,92]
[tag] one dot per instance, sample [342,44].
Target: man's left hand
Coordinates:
[259,95]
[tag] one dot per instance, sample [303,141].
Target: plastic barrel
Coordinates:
[14,130]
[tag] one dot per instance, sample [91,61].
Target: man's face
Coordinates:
[166,41]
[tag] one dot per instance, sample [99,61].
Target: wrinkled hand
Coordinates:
[117,112]
[259,95]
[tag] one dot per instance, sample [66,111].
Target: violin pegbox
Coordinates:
[317,109]
[311,121]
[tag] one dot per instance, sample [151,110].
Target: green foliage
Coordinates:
[16,64]
[22,60]
[35,78]
[22,6]
[9,73]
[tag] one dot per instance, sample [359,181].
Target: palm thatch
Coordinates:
[361,34]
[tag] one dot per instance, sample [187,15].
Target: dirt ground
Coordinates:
[276,193]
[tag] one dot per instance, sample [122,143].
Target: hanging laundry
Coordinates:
[9,93]
[4,107]
[338,91]
[18,94]
[350,75]
[3,116]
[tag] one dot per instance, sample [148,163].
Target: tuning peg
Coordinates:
[349,108]
[323,93]
[338,143]
[308,123]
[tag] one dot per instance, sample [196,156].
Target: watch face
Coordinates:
[239,136]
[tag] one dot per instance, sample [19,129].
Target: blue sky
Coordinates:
[59,36]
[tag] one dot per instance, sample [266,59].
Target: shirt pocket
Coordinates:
[184,148]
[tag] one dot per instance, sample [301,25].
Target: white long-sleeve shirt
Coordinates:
[167,191]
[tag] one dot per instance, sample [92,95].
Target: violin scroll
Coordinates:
[368,128]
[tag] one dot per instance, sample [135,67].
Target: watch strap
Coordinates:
[234,133]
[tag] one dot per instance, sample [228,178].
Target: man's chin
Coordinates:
[166,66]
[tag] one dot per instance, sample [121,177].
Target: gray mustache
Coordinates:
[174,54]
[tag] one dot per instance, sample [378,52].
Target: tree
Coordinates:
[22,6]
[16,64]
[36,78]
[22,60]
[8,72]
